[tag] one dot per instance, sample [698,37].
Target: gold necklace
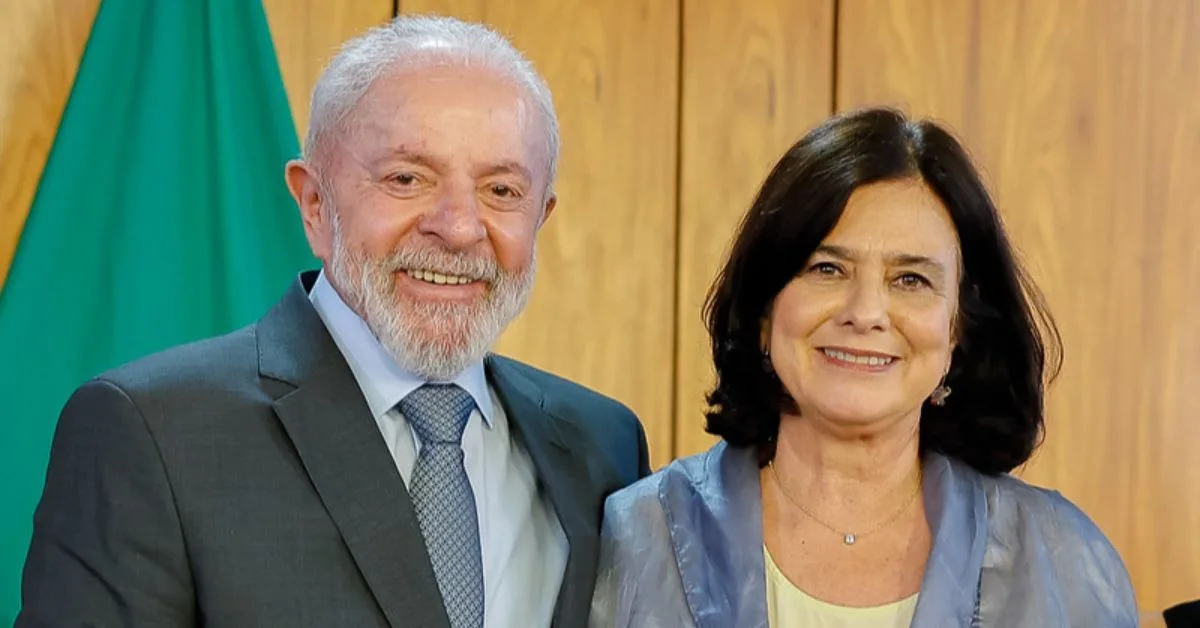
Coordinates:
[849,538]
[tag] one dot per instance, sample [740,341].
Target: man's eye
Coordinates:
[406,178]
[503,191]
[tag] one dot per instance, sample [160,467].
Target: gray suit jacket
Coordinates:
[242,481]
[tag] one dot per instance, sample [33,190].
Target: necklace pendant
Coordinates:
[850,539]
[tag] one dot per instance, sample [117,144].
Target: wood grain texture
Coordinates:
[41,43]
[1086,116]
[756,76]
[307,33]
[602,308]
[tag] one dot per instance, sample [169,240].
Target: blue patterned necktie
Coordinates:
[443,499]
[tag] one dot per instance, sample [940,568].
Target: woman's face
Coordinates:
[864,333]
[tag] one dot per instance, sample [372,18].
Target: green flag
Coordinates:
[161,217]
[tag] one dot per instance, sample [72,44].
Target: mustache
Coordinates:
[445,262]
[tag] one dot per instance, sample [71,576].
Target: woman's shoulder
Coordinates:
[636,529]
[1040,536]
[1015,504]
[646,494]
[638,581]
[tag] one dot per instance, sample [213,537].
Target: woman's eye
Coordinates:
[825,268]
[912,280]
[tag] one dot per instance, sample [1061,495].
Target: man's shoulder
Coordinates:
[563,396]
[595,423]
[213,361]
[204,387]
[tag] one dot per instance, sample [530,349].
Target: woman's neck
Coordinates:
[863,486]
[854,475]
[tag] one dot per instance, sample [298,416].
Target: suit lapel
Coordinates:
[339,444]
[563,475]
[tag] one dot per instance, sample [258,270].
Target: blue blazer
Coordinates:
[683,547]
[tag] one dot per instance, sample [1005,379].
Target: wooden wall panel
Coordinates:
[602,311]
[756,76]
[41,43]
[307,34]
[1086,116]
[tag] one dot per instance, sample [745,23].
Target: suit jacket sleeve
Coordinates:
[643,450]
[107,548]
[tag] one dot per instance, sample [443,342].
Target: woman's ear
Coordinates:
[950,353]
[958,322]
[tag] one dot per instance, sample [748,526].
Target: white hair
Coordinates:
[419,41]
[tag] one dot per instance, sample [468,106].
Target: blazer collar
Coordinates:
[956,507]
[714,513]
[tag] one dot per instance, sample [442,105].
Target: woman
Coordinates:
[880,359]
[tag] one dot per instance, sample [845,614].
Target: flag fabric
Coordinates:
[161,218]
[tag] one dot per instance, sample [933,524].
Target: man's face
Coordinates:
[428,211]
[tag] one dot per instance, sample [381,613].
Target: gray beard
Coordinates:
[433,340]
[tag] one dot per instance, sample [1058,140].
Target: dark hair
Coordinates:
[1002,361]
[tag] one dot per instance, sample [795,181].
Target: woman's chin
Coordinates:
[863,419]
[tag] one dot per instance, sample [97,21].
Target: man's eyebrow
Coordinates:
[509,167]
[403,153]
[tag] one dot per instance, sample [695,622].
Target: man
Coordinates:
[357,457]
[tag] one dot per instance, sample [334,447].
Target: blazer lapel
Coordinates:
[546,438]
[956,508]
[339,444]
[714,509]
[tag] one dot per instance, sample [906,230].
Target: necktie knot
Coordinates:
[438,412]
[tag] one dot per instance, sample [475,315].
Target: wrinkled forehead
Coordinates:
[451,108]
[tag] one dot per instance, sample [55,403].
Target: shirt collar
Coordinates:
[383,383]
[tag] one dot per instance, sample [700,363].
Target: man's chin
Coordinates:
[437,330]
[436,361]
[433,335]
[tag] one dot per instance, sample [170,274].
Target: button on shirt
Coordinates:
[524,546]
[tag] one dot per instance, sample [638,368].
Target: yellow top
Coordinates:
[789,607]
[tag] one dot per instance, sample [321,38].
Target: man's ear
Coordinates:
[304,184]
[551,203]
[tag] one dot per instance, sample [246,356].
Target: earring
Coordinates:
[938,398]
[766,361]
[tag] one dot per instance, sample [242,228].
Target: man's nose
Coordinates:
[455,218]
